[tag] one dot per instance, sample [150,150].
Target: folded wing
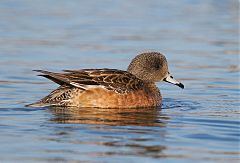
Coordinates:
[111,79]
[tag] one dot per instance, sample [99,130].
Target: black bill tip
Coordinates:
[180,85]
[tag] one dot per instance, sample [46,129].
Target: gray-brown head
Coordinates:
[152,67]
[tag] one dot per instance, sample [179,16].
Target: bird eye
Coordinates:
[157,66]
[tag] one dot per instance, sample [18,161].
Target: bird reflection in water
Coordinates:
[106,116]
[146,121]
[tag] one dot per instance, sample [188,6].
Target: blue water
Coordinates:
[197,124]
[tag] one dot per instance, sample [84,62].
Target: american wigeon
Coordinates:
[111,88]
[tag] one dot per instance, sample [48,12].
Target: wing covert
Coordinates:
[110,79]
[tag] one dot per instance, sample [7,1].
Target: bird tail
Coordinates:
[38,104]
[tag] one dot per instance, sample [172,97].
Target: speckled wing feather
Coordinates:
[111,79]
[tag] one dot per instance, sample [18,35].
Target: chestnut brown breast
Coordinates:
[100,97]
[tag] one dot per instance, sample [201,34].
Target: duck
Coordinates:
[110,88]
